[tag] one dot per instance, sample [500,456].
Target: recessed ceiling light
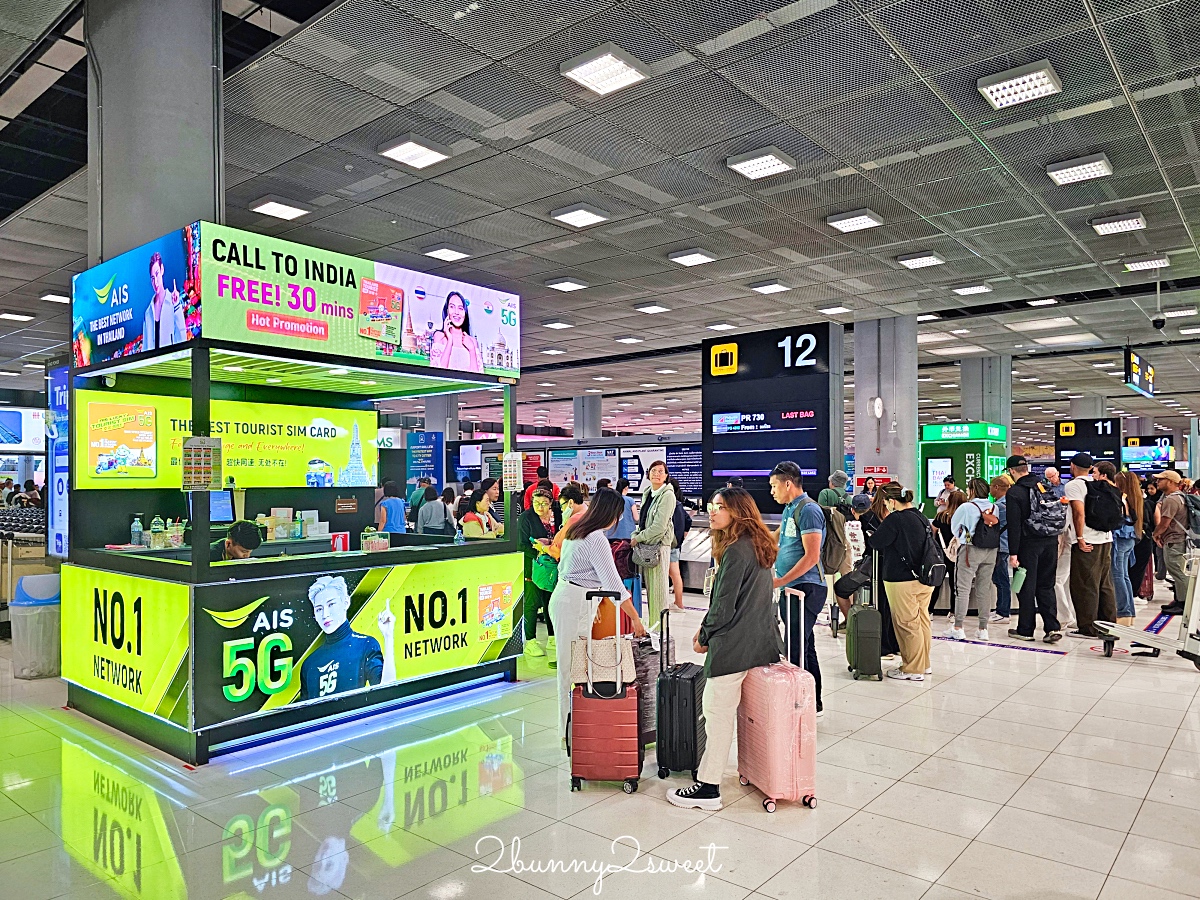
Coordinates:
[1028,380]
[920,260]
[720,326]
[1042,324]
[1064,339]
[1103,365]
[233,368]
[1047,386]
[961,331]
[855,220]
[543,396]
[581,215]
[651,308]
[553,351]
[446,252]
[666,371]
[761,163]
[279,208]
[693,257]
[1142,263]
[16,317]
[601,378]
[956,351]
[770,287]
[928,317]
[629,339]
[1179,312]
[415,152]
[952,384]
[1189,330]
[933,337]
[593,390]
[1083,169]
[33,366]
[10,374]
[557,324]
[56,298]
[628,402]
[546,383]
[338,371]
[649,384]
[1045,301]
[1020,85]
[834,310]
[274,381]
[965,290]
[605,69]
[566,284]
[1133,221]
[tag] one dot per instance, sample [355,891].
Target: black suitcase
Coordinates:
[864,632]
[680,713]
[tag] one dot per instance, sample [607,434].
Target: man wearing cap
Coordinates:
[836,492]
[1091,558]
[1036,553]
[1170,533]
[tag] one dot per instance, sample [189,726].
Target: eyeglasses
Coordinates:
[714,507]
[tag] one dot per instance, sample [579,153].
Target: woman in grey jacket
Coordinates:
[739,633]
[656,526]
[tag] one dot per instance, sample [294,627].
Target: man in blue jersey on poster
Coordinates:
[345,660]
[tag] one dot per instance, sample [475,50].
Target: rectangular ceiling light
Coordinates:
[933,337]
[834,310]
[720,326]
[1179,312]
[928,317]
[1189,330]
[557,324]
[605,69]
[761,163]
[1059,340]
[1041,324]
[856,220]
[1020,85]
[16,317]
[56,298]
[965,290]
[920,260]
[446,252]
[581,215]
[629,339]
[769,287]
[1142,263]
[566,284]
[651,308]
[1133,221]
[1045,301]
[1083,169]
[553,351]
[956,351]
[415,152]
[279,208]
[693,257]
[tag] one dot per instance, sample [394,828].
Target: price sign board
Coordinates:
[1099,438]
[202,464]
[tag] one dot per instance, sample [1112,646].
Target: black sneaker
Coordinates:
[1052,637]
[1173,609]
[1013,633]
[698,796]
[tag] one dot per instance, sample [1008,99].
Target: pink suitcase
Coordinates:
[777,734]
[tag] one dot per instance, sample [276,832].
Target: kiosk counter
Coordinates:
[200,654]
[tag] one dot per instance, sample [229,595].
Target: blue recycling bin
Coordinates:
[35,615]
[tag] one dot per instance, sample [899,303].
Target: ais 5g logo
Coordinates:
[108,292]
[268,662]
[723,359]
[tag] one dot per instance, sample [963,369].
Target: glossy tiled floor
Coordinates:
[1009,774]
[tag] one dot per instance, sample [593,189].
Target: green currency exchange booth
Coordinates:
[223,377]
[964,450]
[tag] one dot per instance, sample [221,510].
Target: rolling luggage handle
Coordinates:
[620,685]
[664,629]
[788,593]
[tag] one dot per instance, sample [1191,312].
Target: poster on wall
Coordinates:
[58,436]
[260,289]
[599,462]
[685,462]
[136,440]
[636,462]
[22,430]
[425,458]
[564,466]
[142,300]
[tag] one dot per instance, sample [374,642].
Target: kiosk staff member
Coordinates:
[242,539]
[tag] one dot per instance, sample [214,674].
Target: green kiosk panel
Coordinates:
[963,450]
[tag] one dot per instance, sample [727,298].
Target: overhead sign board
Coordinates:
[1139,373]
[1099,438]
[965,431]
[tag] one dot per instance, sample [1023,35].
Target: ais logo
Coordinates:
[724,359]
[108,292]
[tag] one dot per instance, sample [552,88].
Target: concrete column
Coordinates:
[1193,449]
[885,366]
[1139,426]
[441,414]
[587,416]
[154,120]
[1090,406]
[985,384]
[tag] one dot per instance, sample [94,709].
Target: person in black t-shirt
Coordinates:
[900,541]
[345,660]
[240,542]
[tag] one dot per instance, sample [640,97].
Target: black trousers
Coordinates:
[1143,551]
[814,603]
[1039,557]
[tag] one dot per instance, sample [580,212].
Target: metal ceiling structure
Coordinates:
[874,100]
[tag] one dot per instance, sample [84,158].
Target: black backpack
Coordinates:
[1103,508]
[932,569]
[986,537]
[1047,517]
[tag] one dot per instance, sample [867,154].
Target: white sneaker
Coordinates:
[983,634]
[551,646]
[901,675]
[956,634]
[533,648]
[997,619]
[929,671]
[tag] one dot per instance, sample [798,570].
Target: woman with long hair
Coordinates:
[655,526]
[586,565]
[738,633]
[900,541]
[889,647]
[1125,538]
[479,521]
[454,347]
[869,487]
[944,533]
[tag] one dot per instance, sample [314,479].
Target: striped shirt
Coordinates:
[589,564]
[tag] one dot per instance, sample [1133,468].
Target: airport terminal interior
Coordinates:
[357,356]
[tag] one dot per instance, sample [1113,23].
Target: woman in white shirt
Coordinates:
[586,565]
[974,565]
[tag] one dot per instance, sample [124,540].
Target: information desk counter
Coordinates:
[202,667]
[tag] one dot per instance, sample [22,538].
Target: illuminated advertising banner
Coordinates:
[964,431]
[136,441]
[22,430]
[138,652]
[141,300]
[263,290]
[266,644]
[58,435]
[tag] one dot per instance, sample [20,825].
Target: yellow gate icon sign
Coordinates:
[1066,429]
[724,359]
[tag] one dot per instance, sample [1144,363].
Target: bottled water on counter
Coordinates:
[459,537]
[135,531]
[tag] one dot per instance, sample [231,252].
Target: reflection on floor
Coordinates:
[1009,774]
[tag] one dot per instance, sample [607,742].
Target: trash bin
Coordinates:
[34,612]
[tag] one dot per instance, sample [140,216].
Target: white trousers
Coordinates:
[572,614]
[1062,591]
[721,698]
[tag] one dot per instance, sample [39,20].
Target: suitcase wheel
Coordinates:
[742,780]
[663,771]
[810,801]
[1108,647]
[630,785]
[769,805]
[576,783]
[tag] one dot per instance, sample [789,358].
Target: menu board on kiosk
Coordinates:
[1099,438]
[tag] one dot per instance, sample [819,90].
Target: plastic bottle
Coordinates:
[135,531]
[298,527]
[459,537]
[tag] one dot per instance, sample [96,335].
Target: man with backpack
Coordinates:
[1035,520]
[1170,533]
[1096,509]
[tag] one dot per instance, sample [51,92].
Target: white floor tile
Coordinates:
[1099,776]
[910,849]
[1001,874]
[989,754]
[752,858]
[1060,840]
[833,876]
[966,779]
[1159,864]
[937,809]
[1080,804]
